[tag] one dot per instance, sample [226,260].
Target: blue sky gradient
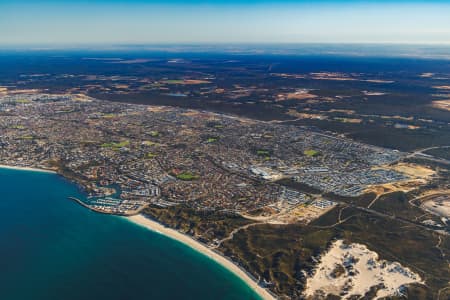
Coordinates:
[26,22]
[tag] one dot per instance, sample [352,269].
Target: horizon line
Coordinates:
[212,44]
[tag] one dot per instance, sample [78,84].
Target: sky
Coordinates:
[71,22]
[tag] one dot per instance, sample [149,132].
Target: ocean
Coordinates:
[53,248]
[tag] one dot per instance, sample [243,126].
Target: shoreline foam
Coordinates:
[180,237]
[156,227]
[27,169]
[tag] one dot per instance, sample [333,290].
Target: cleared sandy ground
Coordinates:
[414,170]
[353,269]
[442,104]
[439,205]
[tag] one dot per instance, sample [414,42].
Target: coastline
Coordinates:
[173,234]
[143,221]
[27,169]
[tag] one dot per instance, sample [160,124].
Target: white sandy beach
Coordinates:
[157,227]
[26,169]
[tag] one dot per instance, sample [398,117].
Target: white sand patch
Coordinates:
[439,206]
[348,270]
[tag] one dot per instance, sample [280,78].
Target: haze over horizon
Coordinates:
[69,22]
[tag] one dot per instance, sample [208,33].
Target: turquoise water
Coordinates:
[52,248]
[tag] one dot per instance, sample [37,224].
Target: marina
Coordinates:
[58,242]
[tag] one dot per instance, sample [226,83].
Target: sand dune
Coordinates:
[353,269]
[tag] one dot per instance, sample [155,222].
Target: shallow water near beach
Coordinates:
[52,248]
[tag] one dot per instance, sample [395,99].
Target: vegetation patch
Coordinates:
[154,133]
[262,152]
[206,225]
[265,154]
[311,153]
[116,146]
[187,176]
[26,137]
[23,101]
[149,143]
[150,155]
[212,139]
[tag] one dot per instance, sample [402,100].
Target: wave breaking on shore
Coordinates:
[173,234]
